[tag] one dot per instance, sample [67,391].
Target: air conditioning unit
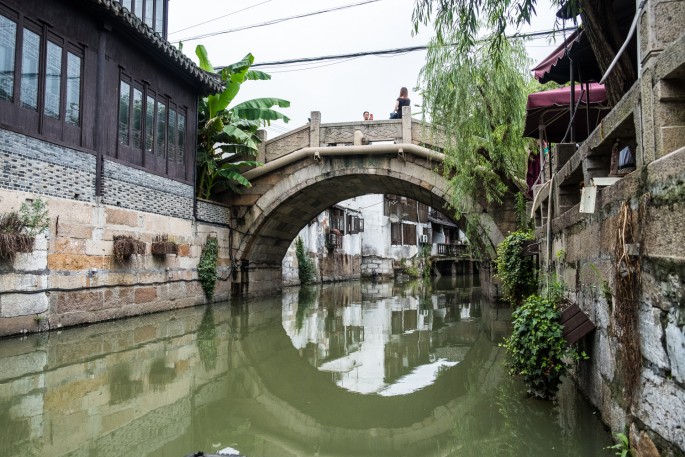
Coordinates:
[423,239]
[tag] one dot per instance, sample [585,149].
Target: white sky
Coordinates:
[341,90]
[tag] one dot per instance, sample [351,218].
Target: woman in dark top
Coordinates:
[402,100]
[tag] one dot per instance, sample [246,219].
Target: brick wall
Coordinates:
[31,165]
[213,213]
[137,189]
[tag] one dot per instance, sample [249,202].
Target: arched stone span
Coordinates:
[286,195]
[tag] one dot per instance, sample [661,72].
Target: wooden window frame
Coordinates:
[161,164]
[35,120]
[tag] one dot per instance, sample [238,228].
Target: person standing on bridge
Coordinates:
[368,116]
[402,100]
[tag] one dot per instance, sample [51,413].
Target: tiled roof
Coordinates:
[209,82]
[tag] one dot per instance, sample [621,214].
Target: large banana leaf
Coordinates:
[227,134]
[259,109]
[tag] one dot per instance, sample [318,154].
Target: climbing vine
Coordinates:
[627,292]
[206,269]
[517,272]
[305,264]
[538,348]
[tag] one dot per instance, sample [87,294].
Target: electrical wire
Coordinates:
[278,21]
[219,17]
[383,52]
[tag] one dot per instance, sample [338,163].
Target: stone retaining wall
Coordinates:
[585,259]
[72,278]
[381,265]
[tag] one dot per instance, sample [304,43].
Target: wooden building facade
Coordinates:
[92,76]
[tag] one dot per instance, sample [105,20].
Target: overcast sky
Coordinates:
[341,90]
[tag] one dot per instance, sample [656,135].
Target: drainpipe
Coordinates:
[633,25]
[99,125]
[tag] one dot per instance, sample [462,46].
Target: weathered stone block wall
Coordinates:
[381,265]
[585,258]
[339,266]
[72,277]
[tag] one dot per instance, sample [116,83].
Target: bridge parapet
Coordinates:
[315,134]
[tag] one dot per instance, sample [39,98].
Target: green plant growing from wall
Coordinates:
[538,348]
[19,229]
[34,216]
[516,271]
[305,265]
[427,262]
[206,269]
[522,219]
[622,446]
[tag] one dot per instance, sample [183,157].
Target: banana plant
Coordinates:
[227,135]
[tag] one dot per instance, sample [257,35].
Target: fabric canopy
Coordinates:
[549,111]
[576,51]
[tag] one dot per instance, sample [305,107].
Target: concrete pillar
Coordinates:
[454,268]
[314,129]
[662,103]
[261,151]
[358,137]
[406,124]
[661,23]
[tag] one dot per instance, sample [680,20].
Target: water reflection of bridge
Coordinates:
[155,385]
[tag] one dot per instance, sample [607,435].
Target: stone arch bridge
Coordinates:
[315,166]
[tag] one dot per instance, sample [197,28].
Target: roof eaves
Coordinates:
[209,82]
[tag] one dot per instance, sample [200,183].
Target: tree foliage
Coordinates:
[227,136]
[305,270]
[206,268]
[481,110]
[517,272]
[538,348]
[460,21]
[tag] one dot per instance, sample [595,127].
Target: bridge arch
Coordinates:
[292,190]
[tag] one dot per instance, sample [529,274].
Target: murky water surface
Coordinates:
[342,370]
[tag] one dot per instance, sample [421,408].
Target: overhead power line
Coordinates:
[388,51]
[219,17]
[277,21]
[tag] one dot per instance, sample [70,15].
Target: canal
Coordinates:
[347,369]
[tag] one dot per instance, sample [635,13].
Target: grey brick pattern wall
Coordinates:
[216,214]
[136,189]
[31,165]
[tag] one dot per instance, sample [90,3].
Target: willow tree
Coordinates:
[481,109]
[461,21]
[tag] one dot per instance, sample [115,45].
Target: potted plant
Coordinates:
[125,246]
[161,246]
[18,230]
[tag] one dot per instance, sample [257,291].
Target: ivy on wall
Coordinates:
[206,269]
[305,265]
[516,271]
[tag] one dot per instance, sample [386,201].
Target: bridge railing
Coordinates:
[316,134]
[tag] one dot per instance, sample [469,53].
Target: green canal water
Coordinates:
[347,369]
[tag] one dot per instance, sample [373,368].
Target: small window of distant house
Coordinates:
[41,77]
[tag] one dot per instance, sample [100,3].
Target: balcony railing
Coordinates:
[452,250]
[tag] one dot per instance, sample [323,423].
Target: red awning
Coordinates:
[557,66]
[562,96]
[549,111]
